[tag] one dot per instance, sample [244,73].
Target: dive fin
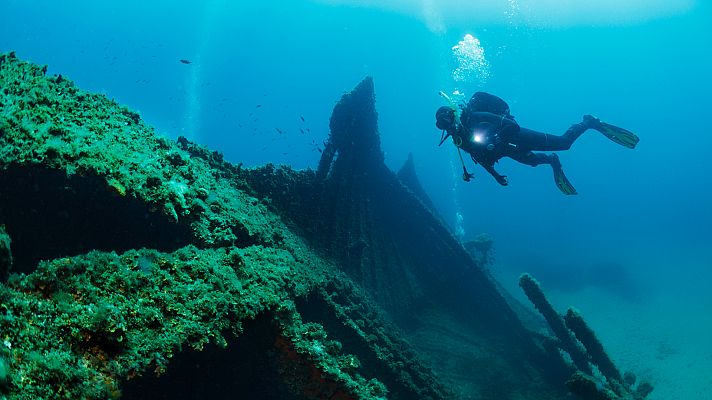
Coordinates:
[619,135]
[561,181]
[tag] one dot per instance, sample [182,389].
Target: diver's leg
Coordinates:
[534,140]
[534,159]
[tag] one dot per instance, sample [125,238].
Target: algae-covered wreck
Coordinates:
[137,267]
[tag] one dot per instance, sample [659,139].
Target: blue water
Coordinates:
[265,75]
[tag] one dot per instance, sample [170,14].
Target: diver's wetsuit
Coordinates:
[487,130]
[529,140]
[489,137]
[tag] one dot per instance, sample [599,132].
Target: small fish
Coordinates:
[184,61]
[279,130]
[258,106]
[302,117]
[301,130]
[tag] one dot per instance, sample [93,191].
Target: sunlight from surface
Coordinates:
[443,14]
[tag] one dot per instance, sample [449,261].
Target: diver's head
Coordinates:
[445,118]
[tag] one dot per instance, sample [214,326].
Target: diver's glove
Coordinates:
[502,180]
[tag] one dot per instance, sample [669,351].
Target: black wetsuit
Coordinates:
[488,137]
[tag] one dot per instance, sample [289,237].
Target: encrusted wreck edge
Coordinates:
[578,340]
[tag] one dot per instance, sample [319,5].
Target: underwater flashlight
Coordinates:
[478,138]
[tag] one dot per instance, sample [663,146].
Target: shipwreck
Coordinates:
[133,266]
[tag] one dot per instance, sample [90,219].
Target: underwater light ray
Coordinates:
[552,13]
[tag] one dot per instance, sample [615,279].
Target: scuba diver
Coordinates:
[486,130]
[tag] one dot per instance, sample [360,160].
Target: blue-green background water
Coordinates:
[265,75]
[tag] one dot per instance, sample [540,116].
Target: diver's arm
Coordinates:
[488,164]
[501,179]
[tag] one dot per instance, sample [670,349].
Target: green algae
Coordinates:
[50,122]
[78,326]
[113,316]
[83,325]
